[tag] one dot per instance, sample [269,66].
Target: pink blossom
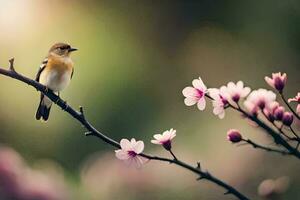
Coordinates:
[130,151]
[234,91]
[219,102]
[277,81]
[165,139]
[259,99]
[296,99]
[195,94]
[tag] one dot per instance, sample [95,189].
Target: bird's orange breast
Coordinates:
[61,65]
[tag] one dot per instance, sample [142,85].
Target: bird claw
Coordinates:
[46,89]
[66,104]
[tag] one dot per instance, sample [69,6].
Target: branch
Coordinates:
[80,117]
[276,136]
[258,146]
[288,105]
[280,129]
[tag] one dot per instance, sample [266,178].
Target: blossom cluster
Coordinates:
[230,95]
[259,101]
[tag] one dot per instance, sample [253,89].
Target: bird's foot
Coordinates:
[66,106]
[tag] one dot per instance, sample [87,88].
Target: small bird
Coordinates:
[55,72]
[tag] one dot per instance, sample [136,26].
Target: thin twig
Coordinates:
[288,105]
[276,136]
[79,116]
[11,65]
[171,152]
[280,129]
[295,134]
[258,146]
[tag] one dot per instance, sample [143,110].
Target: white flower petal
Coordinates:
[201,104]
[122,155]
[155,142]
[189,92]
[189,101]
[157,136]
[198,83]
[138,147]
[125,144]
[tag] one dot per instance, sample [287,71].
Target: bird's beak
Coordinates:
[72,49]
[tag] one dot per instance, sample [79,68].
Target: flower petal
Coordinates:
[155,142]
[246,91]
[269,81]
[122,155]
[157,136]
[138,147]
[201,104]
[189,92]
[198,83]
[189,101]
[125,144]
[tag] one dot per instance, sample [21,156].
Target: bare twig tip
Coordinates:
[11,64]
[198,165]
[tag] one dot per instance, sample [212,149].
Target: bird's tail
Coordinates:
[43,110]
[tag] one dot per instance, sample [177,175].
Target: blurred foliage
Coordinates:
[134,59]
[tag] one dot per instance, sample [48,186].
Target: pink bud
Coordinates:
[278,113]
[269,115]
[287,118]
[234,136]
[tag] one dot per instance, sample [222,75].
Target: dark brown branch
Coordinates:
[258,146]
[280,129]
[80,117]
[276,136]
[288,105]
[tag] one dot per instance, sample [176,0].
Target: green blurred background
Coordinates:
[134,59]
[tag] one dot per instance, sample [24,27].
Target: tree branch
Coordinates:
[258,146]
[92,131]
[288,105]
[276,136]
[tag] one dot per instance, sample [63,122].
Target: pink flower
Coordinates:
[165,139]
[259,99]
[130,151]
[277,81]
[236,91]
[296,99]
[234,136]
[195,94]
[219,102]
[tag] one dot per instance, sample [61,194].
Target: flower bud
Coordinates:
[278,113]
[269,115]
[234,136]
[287,118]
[279,83]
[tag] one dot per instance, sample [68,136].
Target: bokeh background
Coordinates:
[134,59]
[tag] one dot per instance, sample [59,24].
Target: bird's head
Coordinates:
[62,49]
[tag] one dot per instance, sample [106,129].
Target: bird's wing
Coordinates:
[41,68]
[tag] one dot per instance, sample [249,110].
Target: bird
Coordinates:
[55,72]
